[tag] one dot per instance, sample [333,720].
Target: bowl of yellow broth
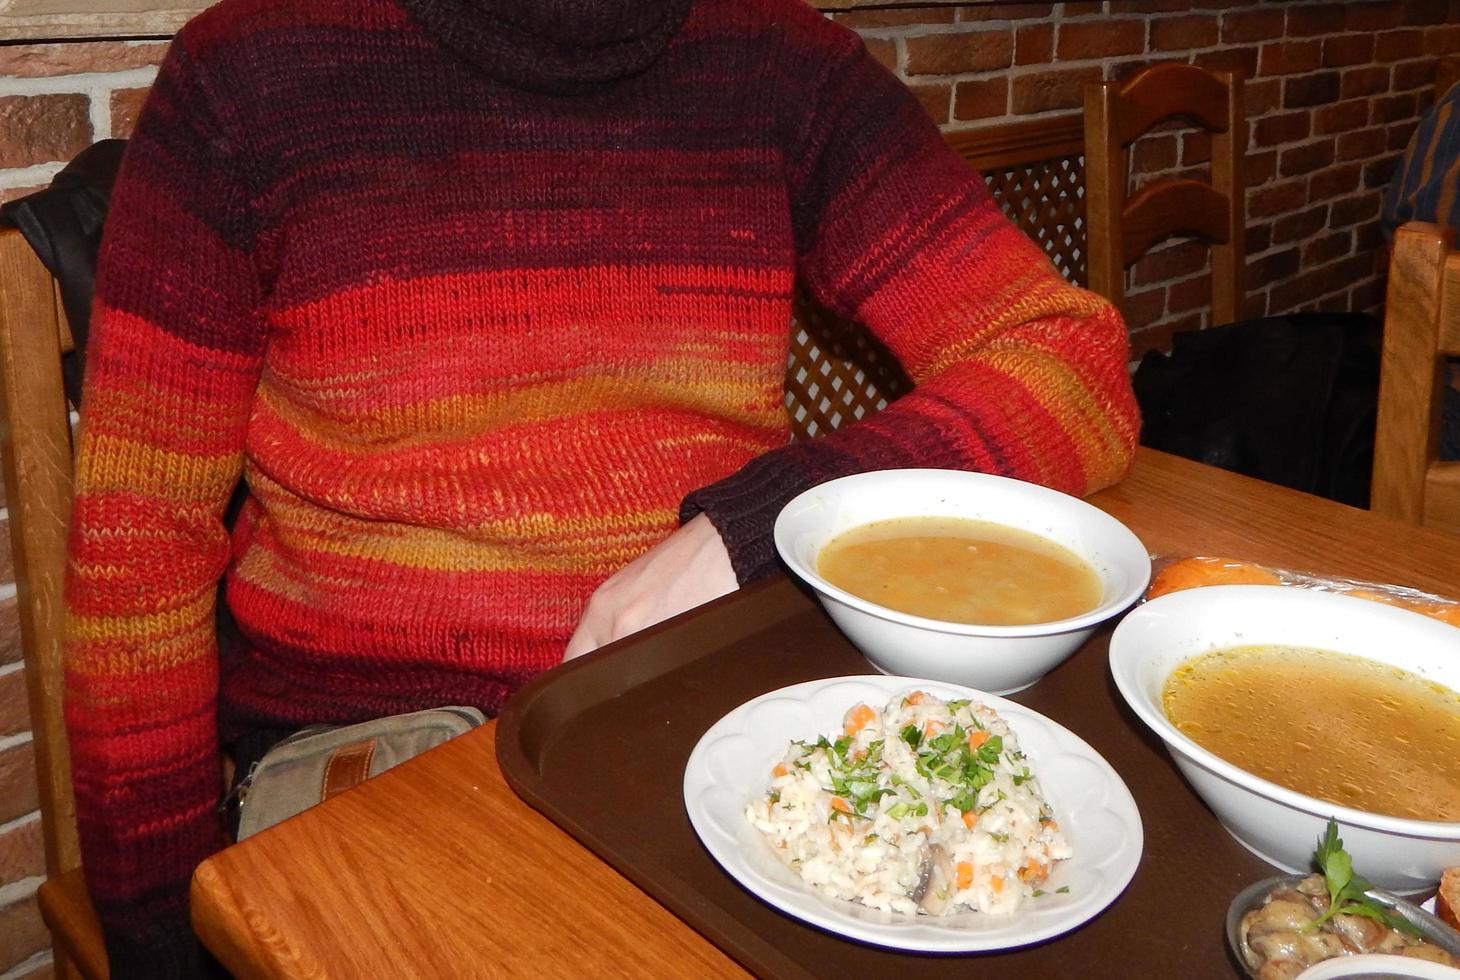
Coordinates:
[1285,707]
[961,577]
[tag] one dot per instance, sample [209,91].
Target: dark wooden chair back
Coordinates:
[838,372]
[1421,330]
[1122,227]
[35,443]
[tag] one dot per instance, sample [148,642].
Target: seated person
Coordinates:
[1426,187]
[487,303]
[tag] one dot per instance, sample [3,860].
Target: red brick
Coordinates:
[1368,238]
[1444,39]
[1277,198]
[1306,158]
[1425,11]
[1196,147]
[1319,88]
[1378,172]
[951,54]
[1414,74]
[1184,33]
[1396,45]
[42,128]
[1396,137]
[1261,97]
[14,710]
[1272,268]
[1300,226]
[935,100]
[1372,16]
[1260,168]
[1052,90]
[1172,262]
[1289,57]
[1326,248]
[21,853]
[1285,128]
[77,58]
[1340,117]
[981,99]
[1393,108]
[1034,44]
[1005,11]
[9,632]
[1352,210]
[1082,9]
[1360,144]
[895,17]
[1144,308]
[1348,49]
[1251,25]
[1363,81]
[1307,20]
[1100,39]
[18,794]
[1334,181]
[1257,239]
[1239,61]
[1367,298]
[126,104]
[1153,154]
[1148,6]
[22,933]
[1189,294]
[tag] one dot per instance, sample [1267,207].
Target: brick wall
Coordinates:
[1334,91]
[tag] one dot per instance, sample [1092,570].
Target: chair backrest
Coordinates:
[837,372]
[1122,227]
[35,444]
[1421,329]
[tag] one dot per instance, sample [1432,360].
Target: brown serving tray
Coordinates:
[599,746]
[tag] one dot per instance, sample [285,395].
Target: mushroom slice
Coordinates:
[935,880]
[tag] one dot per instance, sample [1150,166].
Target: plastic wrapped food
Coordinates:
[1173,574]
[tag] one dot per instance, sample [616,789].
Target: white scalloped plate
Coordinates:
[730,765]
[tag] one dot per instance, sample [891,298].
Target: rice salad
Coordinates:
[926,806]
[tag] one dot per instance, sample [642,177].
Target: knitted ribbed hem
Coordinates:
[743,509]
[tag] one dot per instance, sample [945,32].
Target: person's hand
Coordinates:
[686,569]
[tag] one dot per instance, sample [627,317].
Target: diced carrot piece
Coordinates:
[975,739]
[963,874]
[969,819]
[780,769]
[1034,873]
[859,718]
[997,883]
[915,697]
[840,805]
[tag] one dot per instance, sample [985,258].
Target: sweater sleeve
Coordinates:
[1016,372]
[174,358]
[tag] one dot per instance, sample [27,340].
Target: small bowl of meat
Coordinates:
[1281,929]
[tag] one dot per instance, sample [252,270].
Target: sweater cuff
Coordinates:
[743,509]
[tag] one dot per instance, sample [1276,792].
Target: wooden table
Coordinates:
[437,869]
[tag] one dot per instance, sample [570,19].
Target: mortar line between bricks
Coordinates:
[28,966]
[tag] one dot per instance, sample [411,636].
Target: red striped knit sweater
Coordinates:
[479,316]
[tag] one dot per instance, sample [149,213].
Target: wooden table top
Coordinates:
[437,869]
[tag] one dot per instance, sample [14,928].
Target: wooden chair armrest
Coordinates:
[66,909]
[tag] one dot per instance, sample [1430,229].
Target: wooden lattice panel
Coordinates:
[1046,199]
[837,371]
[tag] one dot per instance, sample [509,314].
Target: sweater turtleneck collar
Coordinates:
[556,46]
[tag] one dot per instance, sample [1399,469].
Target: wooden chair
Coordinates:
[1122,228]
[35,443]
[837,372]
[1421,329]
